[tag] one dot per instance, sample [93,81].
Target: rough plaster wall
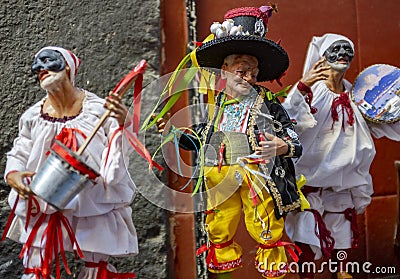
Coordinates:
[110,37]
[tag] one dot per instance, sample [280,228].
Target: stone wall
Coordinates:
[110,37]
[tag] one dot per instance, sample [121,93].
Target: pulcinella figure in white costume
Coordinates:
[95,224]
[338,150]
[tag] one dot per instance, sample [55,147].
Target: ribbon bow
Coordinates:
[67,136]
[291,248]
[344,101]
[211,258]
[37,271]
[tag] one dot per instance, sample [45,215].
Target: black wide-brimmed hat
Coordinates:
[243,32]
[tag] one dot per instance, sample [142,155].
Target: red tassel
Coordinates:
[221,156]
[344,101]
[350,214]
[253,193]
[327,242]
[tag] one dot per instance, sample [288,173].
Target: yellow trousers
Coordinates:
[231,190]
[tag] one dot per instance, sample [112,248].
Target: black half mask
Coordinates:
[339,49]
[50,60]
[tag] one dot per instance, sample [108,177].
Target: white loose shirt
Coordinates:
[333,156]
[100,214]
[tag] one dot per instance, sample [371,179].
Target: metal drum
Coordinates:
[376,92]
[62,177]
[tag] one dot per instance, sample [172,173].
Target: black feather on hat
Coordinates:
[246,37]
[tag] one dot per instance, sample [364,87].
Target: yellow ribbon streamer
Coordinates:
[304,204]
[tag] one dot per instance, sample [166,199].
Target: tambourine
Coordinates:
[376,92]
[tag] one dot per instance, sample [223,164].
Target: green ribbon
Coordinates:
[274,96]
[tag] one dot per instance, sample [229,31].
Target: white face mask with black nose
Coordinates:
[339,55]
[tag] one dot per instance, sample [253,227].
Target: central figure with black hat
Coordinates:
[249,141]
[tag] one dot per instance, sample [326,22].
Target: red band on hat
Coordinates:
[247,11]
[76,60]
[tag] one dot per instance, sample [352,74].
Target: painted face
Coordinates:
[339,55]
[240,72]
[48,60]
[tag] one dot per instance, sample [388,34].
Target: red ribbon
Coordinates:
[136,144]
[136,103]
[221,156]
[28,244]
[30,213]
[350,214]
[253,193]
[79,166]
[120,128]
[344,101]
[141,149]
[131,136]
[290,247]
[211,258]
[67,136]
[327,242]
[53,238]
[10,219]
[37,271]
[104,273]
[197,44]
[308,96]
[137,72]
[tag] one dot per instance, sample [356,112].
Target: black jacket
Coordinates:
[282,185]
